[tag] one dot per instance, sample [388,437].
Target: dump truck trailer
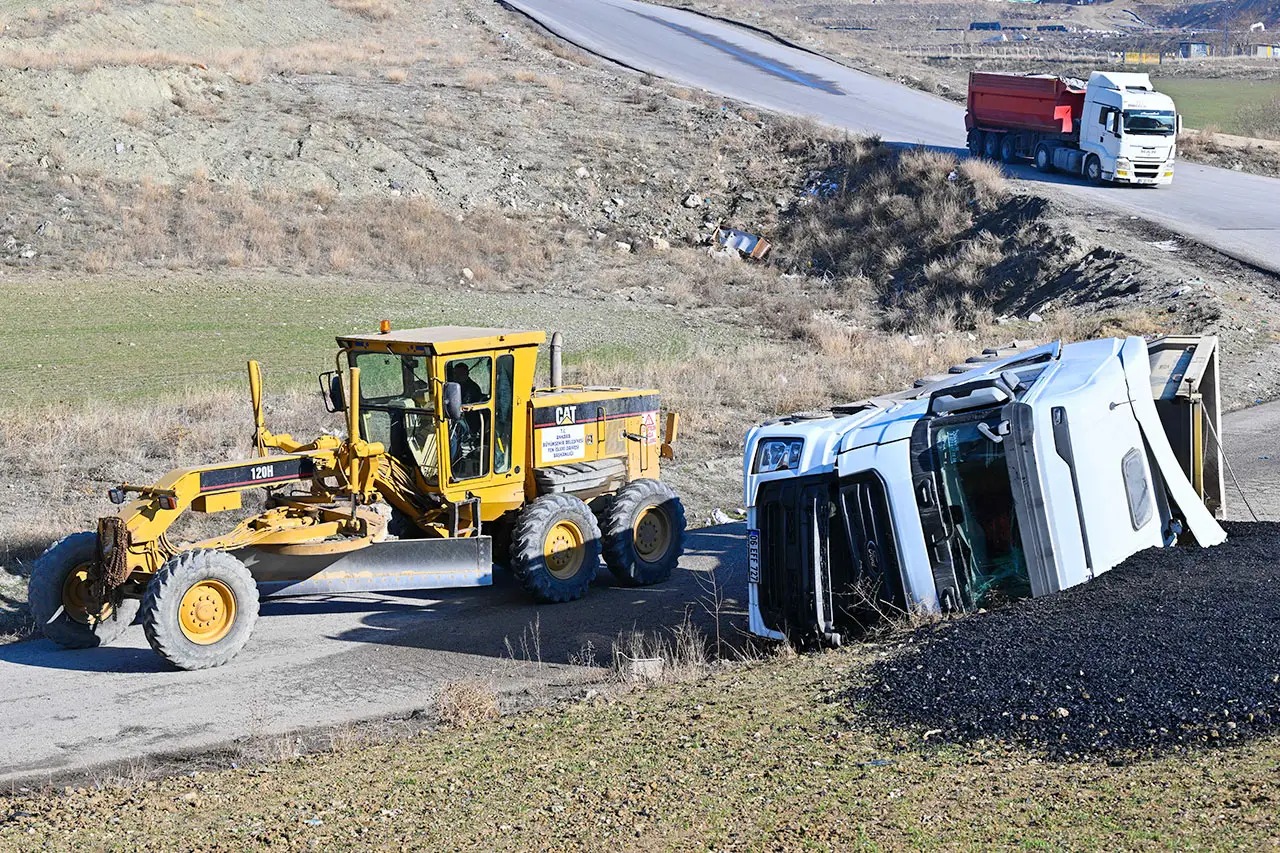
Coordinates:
[1115,127]
[1018,473]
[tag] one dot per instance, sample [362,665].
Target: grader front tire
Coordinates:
[58,592]
[644,533]
[200,609]
[555,548]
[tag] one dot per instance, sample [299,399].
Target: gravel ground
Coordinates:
[1171,648]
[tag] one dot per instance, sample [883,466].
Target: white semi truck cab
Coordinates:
[1015,475]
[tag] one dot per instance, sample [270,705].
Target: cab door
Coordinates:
[479,455]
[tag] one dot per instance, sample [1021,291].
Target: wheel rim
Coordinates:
[652,534]
[207,612]
[562,550]
[76,597]
[1093,170]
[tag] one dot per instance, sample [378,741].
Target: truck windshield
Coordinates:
[974,489]
[1150,122]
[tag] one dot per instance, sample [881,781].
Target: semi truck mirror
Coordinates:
[452,400]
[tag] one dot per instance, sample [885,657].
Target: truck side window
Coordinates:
[1136,488]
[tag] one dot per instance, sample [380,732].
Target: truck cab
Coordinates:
[1130,128]
[1016,476]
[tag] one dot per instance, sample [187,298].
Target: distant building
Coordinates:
[985,25]
[1194,49]
[1052,28]
[1270,51]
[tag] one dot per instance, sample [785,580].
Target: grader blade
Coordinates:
[400,565]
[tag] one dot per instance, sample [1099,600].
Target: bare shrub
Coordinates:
[396,75]
[478,81]
[463,704]
[374,10]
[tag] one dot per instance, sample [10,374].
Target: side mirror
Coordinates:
[1178,124]
[452,400]
[335,399]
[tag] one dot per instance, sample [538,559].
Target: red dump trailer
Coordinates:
[1000,103]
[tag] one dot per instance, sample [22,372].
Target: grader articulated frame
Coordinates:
[429,466]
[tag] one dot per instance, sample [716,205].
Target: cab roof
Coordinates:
[446,340]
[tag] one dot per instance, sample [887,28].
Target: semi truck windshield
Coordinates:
[974,489]
[1150,122]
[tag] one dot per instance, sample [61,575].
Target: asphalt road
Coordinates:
[1236,213]
[326,661]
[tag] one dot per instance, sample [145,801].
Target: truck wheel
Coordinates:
[991,145]
[58,595]
[1044,159]
[1093,169]
[975,142]
[200,609]
[1008,149]
[555,548]
[644,533]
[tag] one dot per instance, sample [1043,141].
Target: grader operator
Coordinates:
[446,429]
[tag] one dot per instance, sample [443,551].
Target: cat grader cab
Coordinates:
[449,449]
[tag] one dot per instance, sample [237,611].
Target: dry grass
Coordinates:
[203,225]
[463,704]
[374,10]
[478,81]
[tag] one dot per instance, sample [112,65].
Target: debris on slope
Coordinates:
[1174,647]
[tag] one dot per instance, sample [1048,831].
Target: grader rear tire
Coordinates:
[644,533]
[555,548]
[200,609]
[57,594]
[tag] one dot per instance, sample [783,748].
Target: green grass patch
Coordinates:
[1228,104]
[117,339]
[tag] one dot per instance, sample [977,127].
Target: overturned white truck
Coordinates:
[1018,473]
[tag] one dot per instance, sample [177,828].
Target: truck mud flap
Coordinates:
[401,565]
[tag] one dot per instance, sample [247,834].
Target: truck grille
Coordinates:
[828,563]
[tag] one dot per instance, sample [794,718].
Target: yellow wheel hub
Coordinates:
[76,598]
[652,534]
[562,550]
[207,612]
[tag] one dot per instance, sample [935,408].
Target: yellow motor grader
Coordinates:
[449,449]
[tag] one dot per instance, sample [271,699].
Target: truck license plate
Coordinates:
[753,556]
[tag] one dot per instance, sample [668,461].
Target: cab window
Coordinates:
[502,407]
[471,436]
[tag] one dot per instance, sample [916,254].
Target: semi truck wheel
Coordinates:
[1008,149]
[644,533]
[991,145]
[200,609]
[555,548]
[976,141]
[1093,169]
[58,595]
[1044,159]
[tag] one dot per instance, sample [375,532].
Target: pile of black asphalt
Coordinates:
[1174,648]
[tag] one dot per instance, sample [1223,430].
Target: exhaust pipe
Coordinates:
[557,365]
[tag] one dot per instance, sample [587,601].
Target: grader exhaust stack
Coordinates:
[448,444]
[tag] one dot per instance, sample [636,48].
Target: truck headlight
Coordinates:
[778,454]
[1122,163]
